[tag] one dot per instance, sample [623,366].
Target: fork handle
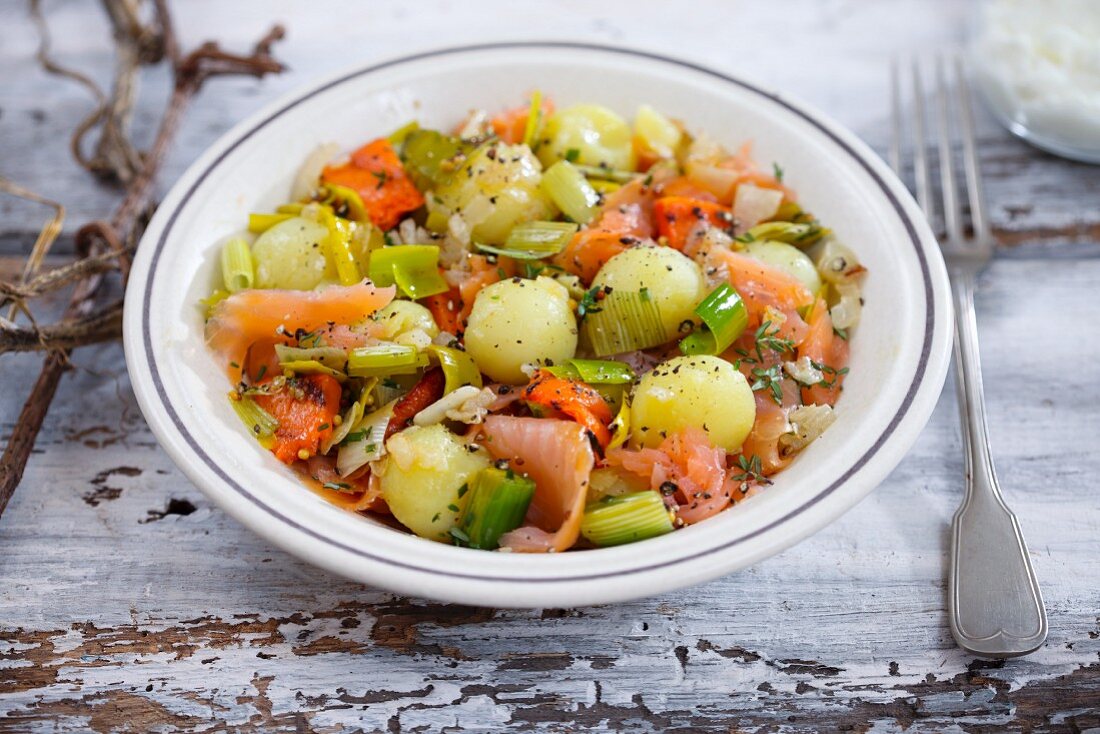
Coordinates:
[994,603]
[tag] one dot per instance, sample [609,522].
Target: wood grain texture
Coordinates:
[129,603]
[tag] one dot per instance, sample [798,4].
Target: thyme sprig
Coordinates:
[828,371]
[765,339]
[752,472]
[771,379]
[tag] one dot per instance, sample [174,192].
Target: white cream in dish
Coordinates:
[1038,64]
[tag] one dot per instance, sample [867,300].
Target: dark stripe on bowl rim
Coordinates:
[903,409]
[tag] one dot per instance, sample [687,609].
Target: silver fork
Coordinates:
[994,603]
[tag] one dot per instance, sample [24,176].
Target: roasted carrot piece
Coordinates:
[573,399]
[424,393]
[677,216]
[446,309]
[451,309]
[305,410]
[376,173]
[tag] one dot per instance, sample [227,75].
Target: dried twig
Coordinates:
[99,242]
[102,325]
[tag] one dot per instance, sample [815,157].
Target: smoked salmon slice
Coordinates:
[825,347]
[626,219]
[247,317]
[686,469]
[763,287]
[558,456]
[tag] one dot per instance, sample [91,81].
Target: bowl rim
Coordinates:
[927,380]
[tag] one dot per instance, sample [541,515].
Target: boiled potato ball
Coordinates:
[290,255]
[423,475]
[517,322]
[673,281]
[598,135]
[787,258]
[399,317]
[701,391]
[498,189]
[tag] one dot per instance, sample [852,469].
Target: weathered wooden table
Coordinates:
[128,602]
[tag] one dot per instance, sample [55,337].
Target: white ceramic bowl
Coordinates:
[899,352]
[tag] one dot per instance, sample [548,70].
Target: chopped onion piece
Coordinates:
[369,444]
[845,314]
[752,205]
[808,422]
[837,263]
[452,402]
[309,173]
[803,370]
[351,417]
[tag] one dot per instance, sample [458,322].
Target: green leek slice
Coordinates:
[401,134]
[626,321]
[607,174]
[594,371]
[498,503]
[260,423]
[412,268]
[802,234]
[351,416]
[626,518]
[238,270]
[332,357]
[357,210]
[366,441]
[459,368]
[570,191]
[534,120]
[432,157]
[338,246]
[534,240]
[313,367]
[385,359]
[724,314]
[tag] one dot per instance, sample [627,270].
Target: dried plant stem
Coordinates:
[104,324]
[98,241]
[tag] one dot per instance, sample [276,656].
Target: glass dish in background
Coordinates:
[1037,64]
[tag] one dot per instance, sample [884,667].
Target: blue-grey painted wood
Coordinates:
[127,600]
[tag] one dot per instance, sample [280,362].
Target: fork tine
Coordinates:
[920,156]
[970,154]
[895,117]
[951,214]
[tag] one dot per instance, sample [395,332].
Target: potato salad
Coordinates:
[542,329]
